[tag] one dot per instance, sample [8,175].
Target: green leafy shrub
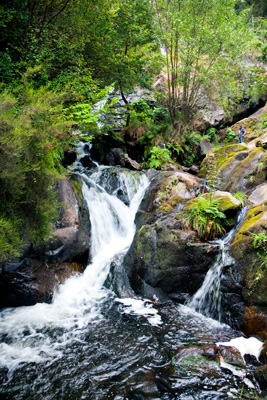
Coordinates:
[159,157]
[241,196]
[211,134]
[33,136]
[229,135]
[205,217]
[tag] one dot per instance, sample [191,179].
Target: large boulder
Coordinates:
[235,167]
[164,257]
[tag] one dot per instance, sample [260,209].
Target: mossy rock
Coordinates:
[235,167]
[166,257]
[249,263]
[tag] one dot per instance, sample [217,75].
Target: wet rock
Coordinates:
[255,323]
[87,162]
[31,281]
[231,356]
[166,257]
[261,376]
[117,157]
[211,352]
[263,354]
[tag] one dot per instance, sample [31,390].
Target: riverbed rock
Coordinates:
[32,281]
[231,355]
[235,167]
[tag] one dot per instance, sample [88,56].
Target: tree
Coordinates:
[202,42]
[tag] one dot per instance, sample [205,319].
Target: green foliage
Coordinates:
[260,244]
[211,134]
[229,135]
[10,241]
[195,40]
[241,196]
[205,218]
[33,135]
[159,157]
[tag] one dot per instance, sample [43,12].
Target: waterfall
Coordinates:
[207,300]
[39,332]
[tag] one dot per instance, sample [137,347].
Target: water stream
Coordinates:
[208,299]
[88,344]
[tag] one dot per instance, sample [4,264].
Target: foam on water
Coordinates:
[250,345]
[28,331]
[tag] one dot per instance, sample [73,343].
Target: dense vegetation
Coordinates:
[59,57]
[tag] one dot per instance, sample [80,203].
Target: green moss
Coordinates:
[77,187]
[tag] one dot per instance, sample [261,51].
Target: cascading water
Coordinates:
[207,300]
[78,300]
[90,345]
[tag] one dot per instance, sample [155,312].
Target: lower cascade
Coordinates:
[207,300]
[90,344]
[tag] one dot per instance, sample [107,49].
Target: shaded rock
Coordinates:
[166,257]
[87,162]
[261,376]
[204,148]
[31,281]
[117,157]
[248,262]
[69,158]
[194,170]
[263,354]
[255,324]
[71,236]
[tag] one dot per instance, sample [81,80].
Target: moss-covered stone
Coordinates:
[249,262]
[235,167]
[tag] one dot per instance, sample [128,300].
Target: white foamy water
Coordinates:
[78,301]
[250,345]
[207,300]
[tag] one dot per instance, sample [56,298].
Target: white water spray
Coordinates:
[78,301]
[207,300]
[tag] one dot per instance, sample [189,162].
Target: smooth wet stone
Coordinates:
[231,356]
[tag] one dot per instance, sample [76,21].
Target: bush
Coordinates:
[33,135]
[229,135]
[159,157]
[205,218]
